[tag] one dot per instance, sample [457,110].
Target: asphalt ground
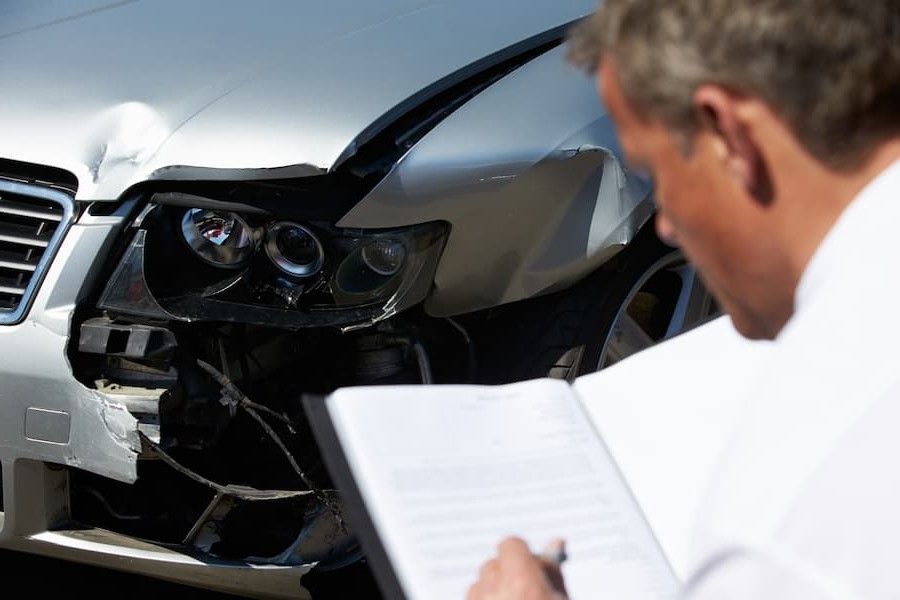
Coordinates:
[40,577]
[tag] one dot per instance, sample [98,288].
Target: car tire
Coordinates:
[646,294]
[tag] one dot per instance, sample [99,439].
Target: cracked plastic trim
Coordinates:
[104,418]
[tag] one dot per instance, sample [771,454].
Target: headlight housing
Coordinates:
[252,267]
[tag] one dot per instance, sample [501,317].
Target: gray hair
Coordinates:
[829,68]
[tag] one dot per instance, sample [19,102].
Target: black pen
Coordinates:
[555,555]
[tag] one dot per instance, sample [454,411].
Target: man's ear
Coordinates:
[720,117]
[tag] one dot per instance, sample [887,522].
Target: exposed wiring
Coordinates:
[423,362]
[251,408]
[472,362]
[96,495]
[237,491]
[275,438]
[241,398]
[239,339]
[418,350]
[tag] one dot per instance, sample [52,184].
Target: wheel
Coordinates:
[668,299]
[647,294]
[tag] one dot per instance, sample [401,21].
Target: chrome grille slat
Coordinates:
[22,209]
[33,234]
[18,266]
[11,290]
[18,239]
[33,220]
[14,279]
[26,259]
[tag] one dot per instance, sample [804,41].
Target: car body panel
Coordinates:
[39,392]
[101,437]
[133,89]
[36,517]
[529,175]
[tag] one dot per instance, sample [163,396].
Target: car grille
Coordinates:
[33,220]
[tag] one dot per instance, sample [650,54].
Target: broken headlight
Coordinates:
[201,264]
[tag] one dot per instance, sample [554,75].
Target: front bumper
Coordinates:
[50,419]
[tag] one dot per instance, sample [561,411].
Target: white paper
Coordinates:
[447,471]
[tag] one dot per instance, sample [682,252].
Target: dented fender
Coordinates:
[530,176]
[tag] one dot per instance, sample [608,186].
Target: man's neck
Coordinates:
[885,156]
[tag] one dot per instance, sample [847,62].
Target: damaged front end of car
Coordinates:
[151,376]
[215,319]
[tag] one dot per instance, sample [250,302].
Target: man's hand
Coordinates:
[517,574]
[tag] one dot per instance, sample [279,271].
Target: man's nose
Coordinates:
[665,231]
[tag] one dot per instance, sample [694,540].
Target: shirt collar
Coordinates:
[878,201]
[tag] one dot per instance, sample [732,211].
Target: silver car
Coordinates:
[209,209]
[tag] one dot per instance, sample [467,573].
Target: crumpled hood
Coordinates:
[120,92]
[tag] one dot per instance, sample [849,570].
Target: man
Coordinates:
[772,129]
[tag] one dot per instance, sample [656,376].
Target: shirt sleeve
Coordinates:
[749,574]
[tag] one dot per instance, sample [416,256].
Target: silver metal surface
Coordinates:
[48,246]
[691,304]
[36,375]
[529,176]
[50,426]
[36,511]
[291,89]
[146,90]
[115,551]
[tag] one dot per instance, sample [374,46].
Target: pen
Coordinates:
[556,555]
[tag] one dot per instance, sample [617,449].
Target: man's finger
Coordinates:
[476,592]
[513,553]
[490,572]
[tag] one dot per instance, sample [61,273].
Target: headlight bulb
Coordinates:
[384,256]
[222,239]
[294,249]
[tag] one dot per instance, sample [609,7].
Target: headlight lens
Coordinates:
[294,249]
[384,256]
[310,275]
[222,239]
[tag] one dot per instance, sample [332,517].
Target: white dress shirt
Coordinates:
[804,502]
